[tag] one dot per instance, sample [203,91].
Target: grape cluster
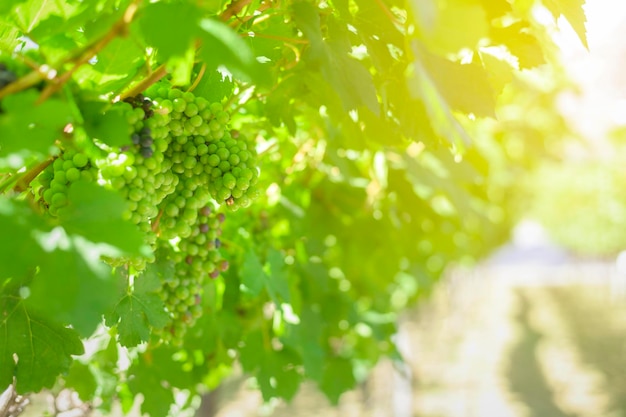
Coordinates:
[180,162]
[56,179]
[196,257]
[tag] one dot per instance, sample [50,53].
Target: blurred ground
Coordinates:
[531,333]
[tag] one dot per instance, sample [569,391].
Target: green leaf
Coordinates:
[500,71]
[96,214]
[348,77]
[120,56]
[82,380]
[442,120]
[28,15]
[307,18]
[73,285]
[214,86]
[252,351]
[275,370]
[155,375]
[140,309]
[105,123]
[223,46]
[278,376]
[8,5]
[277,283]
[43,348]
[181,17]
[521,43]
[20,254]
[252,275]
[465,88]
[26,125]
[338,378]
[573,11]
[306,337]
[454,26]
[9,35]
[148,381]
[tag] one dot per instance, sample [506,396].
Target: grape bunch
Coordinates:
[196,257]
[56,179]
[203,149]
[180,162]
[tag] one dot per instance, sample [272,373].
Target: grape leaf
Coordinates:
[21,253]
[278,375]
[157,398]
[276,278]
[9,35]
[442,120]
[521,43]
[252,275]
[43,348]
[82,380]
[8,5]
[139,309]
[182,16]
[465,88]
[108,125]
[26,125]
[306,338]
[456,25]
[121,56]
[573,11]
[155,373]
[307,19]
[96,214]
[275,370]
[214,86]
[222,46]
[338,378]
[346,75]
[73,285]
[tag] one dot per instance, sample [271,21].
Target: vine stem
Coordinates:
[24,181]
[155,225]
[156,75]
[198,78]
[7,182]
[119,28]
[38,74]
[234,8]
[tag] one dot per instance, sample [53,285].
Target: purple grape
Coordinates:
[146,152]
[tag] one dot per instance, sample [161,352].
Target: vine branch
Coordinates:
[119,29]
[156,75]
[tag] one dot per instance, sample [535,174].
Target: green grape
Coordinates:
[56,179]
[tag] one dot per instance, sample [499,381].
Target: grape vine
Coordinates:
[131,158]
